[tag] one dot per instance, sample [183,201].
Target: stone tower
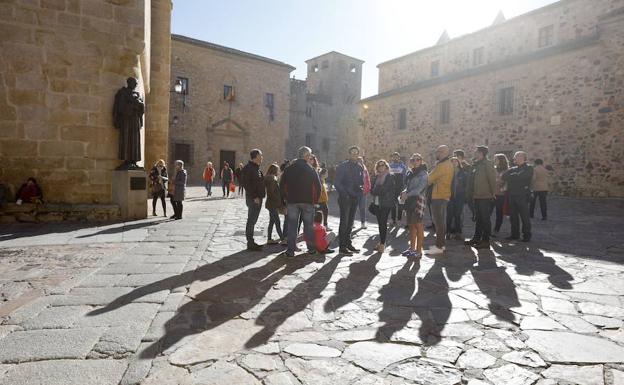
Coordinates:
[324,107]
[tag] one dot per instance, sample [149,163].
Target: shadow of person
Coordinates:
[292,303]
[353,286]
[494,282]
[432,303]
[224,301]
[396,297]
[205,272]
[124,227]
[529,260]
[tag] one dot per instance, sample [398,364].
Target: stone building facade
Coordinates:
[231,102]
[61,63]
[323,107]
[549,82]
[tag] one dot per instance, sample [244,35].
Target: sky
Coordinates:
[375,31]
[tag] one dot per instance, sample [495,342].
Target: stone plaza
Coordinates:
[163,302]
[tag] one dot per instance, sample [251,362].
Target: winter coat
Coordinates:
[179,191]
[441,178]
[273,195]
[300,183]
[518,179]
[385,193]
[540,178]
[349,181]
[156,186]
[252,181]
[482,182]
[416,184]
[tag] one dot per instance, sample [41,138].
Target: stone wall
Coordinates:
[208,124]
[61,62]
[568,108]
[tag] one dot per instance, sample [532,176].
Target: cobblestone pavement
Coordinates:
[177,302]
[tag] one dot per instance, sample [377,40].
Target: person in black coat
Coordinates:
[349,183]
[518,181]
[158,176]
[383,189]
[252,181]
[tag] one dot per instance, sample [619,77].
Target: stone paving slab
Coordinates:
[65,372]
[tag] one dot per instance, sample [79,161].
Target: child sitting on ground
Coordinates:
[320,234]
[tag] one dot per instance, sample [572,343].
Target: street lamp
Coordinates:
[178,88]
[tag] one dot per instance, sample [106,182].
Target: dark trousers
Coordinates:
[454,216]
[347,206]
[177,209]
[226,188]
[253,211]
[519,206]
[274,219]
[325,210]
[241,190]
[397,212]
[382,221]
[161,195]
[500,202]
[483,224]
[542,202]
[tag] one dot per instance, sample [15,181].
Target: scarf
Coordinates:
[381,178]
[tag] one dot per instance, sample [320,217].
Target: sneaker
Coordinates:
[471,242]
[353,249]
[363,225]
[272,242]
[414,254]
[436,250]
[345,251]
[407,252]
[254,247]
[326,251]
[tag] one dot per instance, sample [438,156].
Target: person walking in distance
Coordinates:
[366,185]
[208,177]
[440,179]
[238,173]
[415,202]
[274,203]
[540,187]
[348,182]
[383,192]
[301,188]
[398,170]
[501,164]
[226,179]
[179,190]
[518,179]
[482,190]
[253,182]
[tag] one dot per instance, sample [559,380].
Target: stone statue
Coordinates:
[128,119]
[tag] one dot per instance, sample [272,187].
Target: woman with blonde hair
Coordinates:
[158,178]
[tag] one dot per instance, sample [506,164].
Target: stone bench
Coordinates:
[57,212]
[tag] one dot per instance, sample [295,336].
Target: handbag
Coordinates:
[232,187]
[373,208]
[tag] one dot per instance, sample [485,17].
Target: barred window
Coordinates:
[445,111]
[402,118]
[546,36]
[506,101]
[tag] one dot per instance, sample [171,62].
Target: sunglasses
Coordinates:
[413,160]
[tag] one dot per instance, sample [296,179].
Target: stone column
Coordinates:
[157,100]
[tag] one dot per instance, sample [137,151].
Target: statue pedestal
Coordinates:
[130,193]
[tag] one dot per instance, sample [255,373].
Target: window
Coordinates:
[506,101]
[477,56]
[445,111]
[268,103]
[435,68]
[546,36]
[308,112]
[315,68]
[309,140]
[184,83]
[402,118]
[325,64]
[228,92]
[353,68]
[326,144]
[182,151]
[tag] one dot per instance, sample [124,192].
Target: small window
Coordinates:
[353,68]
[325,64]
[477,56]
[309,140]
[435,68]
[315,68]
[402,118]
[445,111]
[506,101]
[228,92]
[546,36]
[325,144]
[183,83]
[182,151]
[308,112]
[268,103]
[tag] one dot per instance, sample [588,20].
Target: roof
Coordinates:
[335,53]
[491,27]
[229,50]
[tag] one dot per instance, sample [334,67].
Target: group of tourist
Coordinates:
[162,185]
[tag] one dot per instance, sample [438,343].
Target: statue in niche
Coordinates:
[128,113]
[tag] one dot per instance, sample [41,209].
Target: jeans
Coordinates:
[306,211]
[483,225]
[253,211]
[177,208]
[454,216]
[542,202]
[274,219]
[500,202]
[208,186]
[382,221]
[226,188]
[438,215]
[325,210]
[362,207]
[347,205]
[161,195]
[520,211]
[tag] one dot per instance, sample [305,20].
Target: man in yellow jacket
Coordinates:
[440,179]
